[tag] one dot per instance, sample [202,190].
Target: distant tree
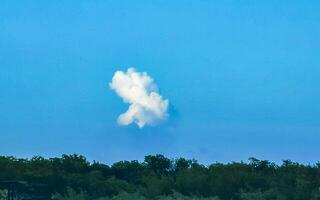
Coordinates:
[178,196]
[3,194]
[193,180]
[262,195]
[315,195]
[71,194]
[127,196]
[130,171]
[74,163]
[159,164]
[159,178]
[156,185]
[182,164]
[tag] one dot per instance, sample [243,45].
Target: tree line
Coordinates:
[160,178]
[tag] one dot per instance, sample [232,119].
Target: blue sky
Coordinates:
[242,78]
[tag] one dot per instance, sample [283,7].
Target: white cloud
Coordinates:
[138,89]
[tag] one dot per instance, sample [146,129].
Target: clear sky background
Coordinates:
[242,78]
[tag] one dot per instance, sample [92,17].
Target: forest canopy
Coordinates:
[158,177]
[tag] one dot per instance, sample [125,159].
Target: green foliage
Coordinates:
[315,195]
[178,196]
[157,185]
[71,195]
[158,164]
[193,180]
[159,178]
[262,195]
[127,196]
[3,194]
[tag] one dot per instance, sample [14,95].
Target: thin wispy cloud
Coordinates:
[147,106]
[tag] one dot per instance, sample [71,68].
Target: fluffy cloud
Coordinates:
[138,89]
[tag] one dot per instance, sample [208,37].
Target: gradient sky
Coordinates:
[242,78]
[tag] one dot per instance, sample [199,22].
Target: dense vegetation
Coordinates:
[73,177]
